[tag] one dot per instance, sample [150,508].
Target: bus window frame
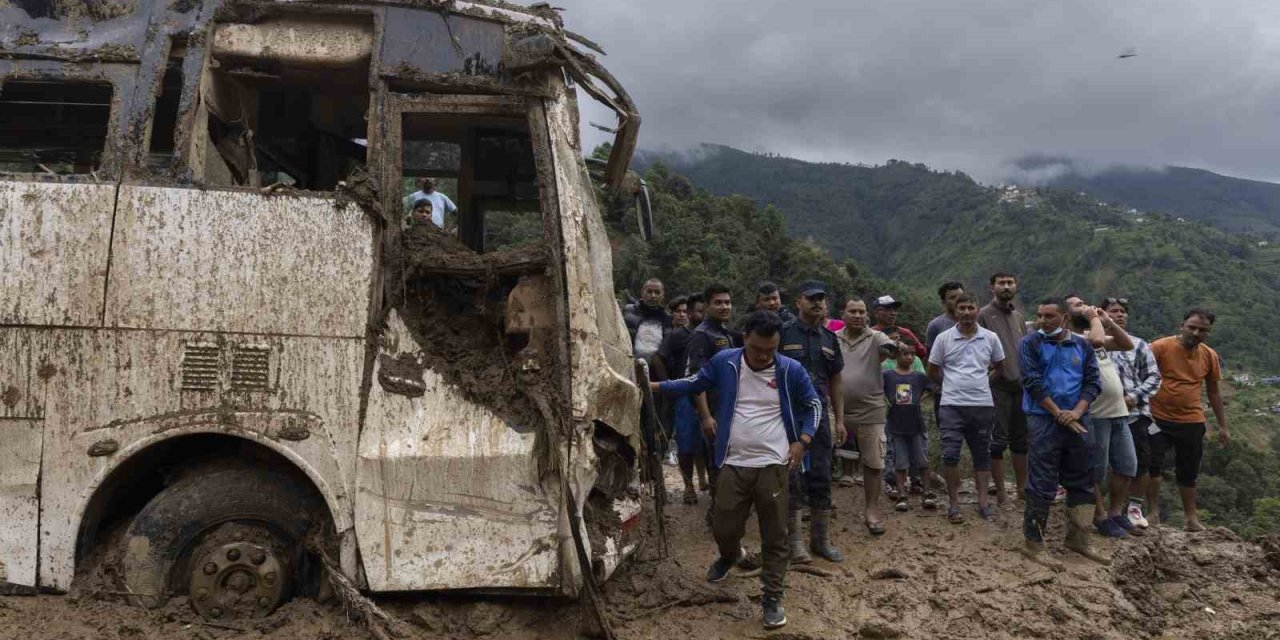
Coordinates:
[397,105]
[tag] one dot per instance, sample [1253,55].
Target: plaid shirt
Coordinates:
[1140,374]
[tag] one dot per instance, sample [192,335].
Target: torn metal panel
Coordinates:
[448,491]
[19,500]
[55,240]
[600,350]
[126,388]
[239,261]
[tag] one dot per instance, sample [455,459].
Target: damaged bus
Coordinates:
[225,362]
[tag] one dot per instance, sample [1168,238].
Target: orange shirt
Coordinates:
[1182,374]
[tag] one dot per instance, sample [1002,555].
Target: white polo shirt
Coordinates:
[964,364]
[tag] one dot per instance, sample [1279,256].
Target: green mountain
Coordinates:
[918,227]
[1233,204]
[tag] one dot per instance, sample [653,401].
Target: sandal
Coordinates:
[875,528]
[901,505]
[987,513]
[954,516]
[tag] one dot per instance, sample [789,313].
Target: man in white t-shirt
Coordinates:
[963,356]
[1111,444]
[440,203]
[766,415]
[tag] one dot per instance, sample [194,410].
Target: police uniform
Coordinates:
[708,339]
[817,349]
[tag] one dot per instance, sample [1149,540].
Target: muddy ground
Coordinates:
[924,579]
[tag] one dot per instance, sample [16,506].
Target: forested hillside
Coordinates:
[1232,204]
[917,227]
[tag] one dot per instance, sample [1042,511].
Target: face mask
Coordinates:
[1050,334]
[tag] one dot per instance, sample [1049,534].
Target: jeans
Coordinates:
[765,488]
[913,455]
[815,484]
[1112,442]
[1059,456]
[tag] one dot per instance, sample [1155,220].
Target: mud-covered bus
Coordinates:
[223,360]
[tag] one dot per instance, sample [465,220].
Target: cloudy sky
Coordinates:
[956,84]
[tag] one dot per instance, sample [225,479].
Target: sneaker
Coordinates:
[1123,523]
[670,460]
[891,491]
[719,570]
[1109,528]
[901,504]
[774,615]
[1136,517]
[930,500]
[1061,495]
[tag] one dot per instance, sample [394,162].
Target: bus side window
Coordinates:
[286,103]
[485,166]
[53,126]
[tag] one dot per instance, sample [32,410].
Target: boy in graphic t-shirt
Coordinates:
[904,425]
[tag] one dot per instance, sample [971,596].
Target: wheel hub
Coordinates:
[237,580]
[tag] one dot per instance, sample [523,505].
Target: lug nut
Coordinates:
[233,554]
[215,612]
[257,556]
[210,569]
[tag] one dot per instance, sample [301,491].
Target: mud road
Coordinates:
[925,578]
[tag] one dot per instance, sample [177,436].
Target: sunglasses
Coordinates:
[1124,302]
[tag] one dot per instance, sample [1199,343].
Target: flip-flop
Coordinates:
[987,513]
[875,528]
[954,516]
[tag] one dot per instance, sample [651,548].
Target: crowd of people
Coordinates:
[769,414]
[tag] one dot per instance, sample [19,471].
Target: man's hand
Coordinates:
[841,433]
[1090,313]
[1224,438]
[709,427]
[1075,426]
[1067,416]
[1130,402]
[795,455]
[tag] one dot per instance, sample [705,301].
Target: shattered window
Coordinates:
[53,126]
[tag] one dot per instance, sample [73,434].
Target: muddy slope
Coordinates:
[925,578]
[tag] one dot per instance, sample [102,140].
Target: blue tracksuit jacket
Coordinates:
[801,406]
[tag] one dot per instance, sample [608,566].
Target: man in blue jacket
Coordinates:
[1060,379]
[765,418]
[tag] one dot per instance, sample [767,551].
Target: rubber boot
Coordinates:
[819,538]
[1081,521]
[795,537]
[1035,520]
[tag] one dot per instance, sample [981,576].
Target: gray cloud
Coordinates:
[956,85]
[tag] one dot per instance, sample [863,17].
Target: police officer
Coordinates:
[709,338]
[807,339]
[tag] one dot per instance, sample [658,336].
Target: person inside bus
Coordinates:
[441,205]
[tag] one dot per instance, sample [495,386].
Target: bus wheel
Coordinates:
[230,538]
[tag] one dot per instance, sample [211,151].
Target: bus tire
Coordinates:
[232,538]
